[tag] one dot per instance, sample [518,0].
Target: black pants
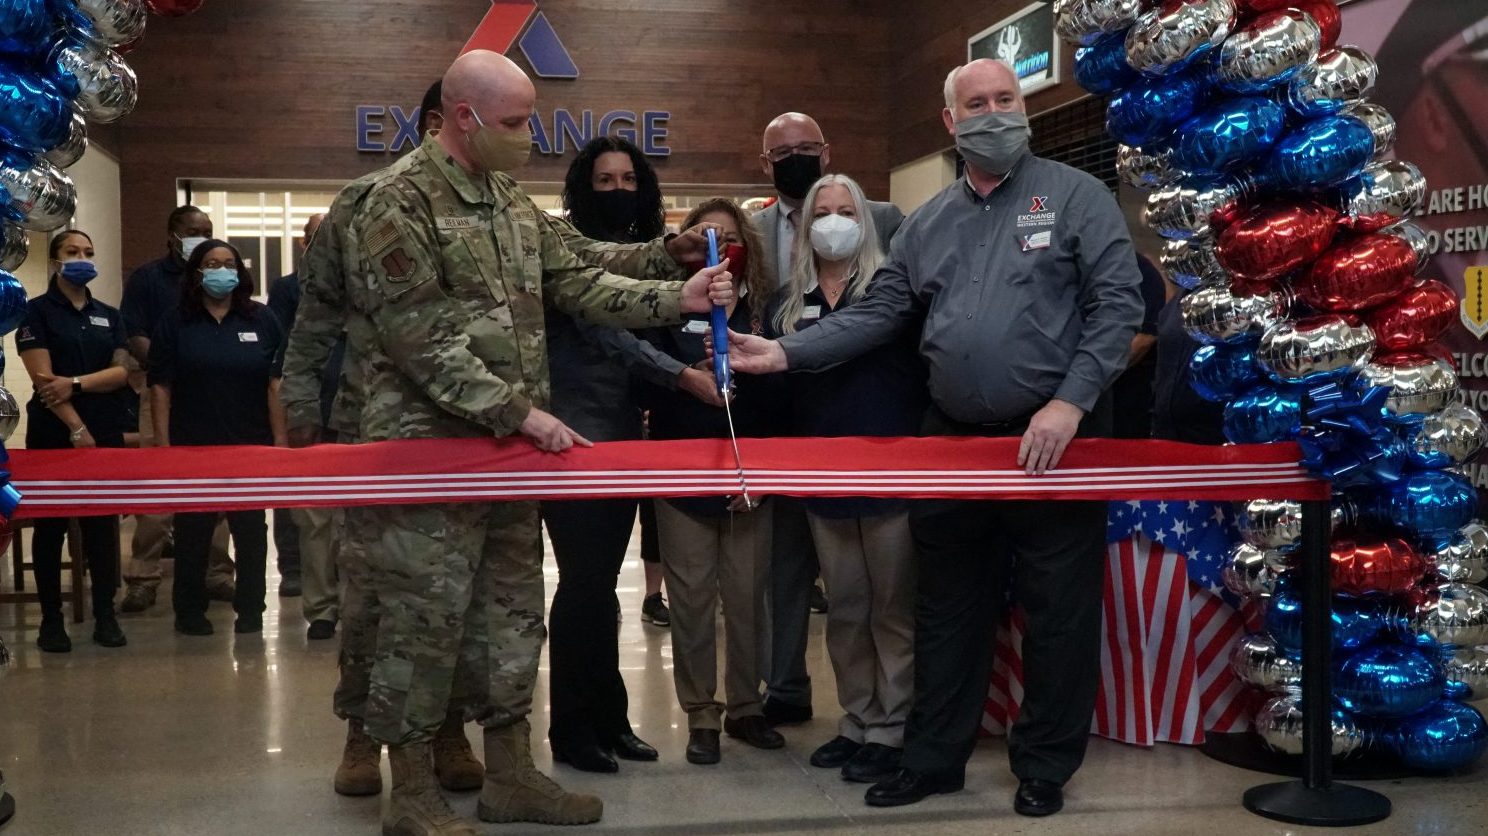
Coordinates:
[793,572]
[287,543]
[250,542]
[1051,556]
[587,693]
[100,536]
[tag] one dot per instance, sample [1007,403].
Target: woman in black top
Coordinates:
[710,546]
[74,348]
[864,545]
[215,363]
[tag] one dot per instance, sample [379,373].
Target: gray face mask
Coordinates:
[993,142]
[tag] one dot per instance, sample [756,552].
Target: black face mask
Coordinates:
[796,174]
[616,209]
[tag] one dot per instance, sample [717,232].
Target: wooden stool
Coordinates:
[74,565]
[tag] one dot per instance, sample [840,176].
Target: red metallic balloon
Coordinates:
[1258,6]
[1328,18]
[1419,315]
[1358,273]
[1274,239]
[1376,567]
[174,8]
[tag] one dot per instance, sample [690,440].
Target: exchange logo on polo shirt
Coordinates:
[1037,214]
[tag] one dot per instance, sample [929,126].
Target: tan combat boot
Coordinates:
[358,773]
[454,763]
[515,791]
[416,807]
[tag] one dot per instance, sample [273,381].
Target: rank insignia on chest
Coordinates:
[397,265]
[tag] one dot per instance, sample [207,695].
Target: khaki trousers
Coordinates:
[867,564]
[319,528]
[705,558]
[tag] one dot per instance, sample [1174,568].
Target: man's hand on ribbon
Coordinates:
[549,434]
[1048,434]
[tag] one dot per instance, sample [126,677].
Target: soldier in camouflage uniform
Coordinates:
[453,262]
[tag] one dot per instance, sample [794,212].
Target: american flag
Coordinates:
[1169,627]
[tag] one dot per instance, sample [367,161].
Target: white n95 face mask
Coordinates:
[836,237]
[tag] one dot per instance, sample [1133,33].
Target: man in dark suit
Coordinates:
[795,156]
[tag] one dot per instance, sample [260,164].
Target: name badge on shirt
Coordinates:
[100,321]
[247,336]
[695,326]
[811,312]
[1036,241]
[467,222]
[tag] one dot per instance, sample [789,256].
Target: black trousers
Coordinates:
[587,694]
[287,542]
[1050,555]
[793,572]
[250,542]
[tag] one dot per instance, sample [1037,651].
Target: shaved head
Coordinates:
[483,88]
[790,129]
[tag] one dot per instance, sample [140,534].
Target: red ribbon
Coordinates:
[63,483]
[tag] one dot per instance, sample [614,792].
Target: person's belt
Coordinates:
[951,426]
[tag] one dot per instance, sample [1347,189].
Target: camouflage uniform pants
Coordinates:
[458,596]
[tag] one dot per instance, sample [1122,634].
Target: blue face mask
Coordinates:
[219,282]
[78,272]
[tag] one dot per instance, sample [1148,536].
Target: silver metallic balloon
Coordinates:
[1418,385]
[1274,524]
[1416,237]
[72,150]
[1453,614]
[1456,432]
[1194,212]
[13,247]
[1214,314]
[1385,193]
[1173,36]
[117,22]
[1257,661]
[1303,350]
[1464,558]
[10,414]
[1191,263]
[1268,51]
[1469,668]
[42,196]
[1249,572]
[1340,77]
[1380,123]
[1279,724]
[107,87]
[1143,170]
[1085,21]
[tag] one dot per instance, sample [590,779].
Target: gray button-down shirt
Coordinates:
[1030,294]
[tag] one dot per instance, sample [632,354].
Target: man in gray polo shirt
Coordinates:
[1024,278]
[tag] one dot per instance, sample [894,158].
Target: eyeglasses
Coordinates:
[810,149]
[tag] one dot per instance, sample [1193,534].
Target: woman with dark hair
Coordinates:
[610,195]
[215,364]
[713,547]
[74,349]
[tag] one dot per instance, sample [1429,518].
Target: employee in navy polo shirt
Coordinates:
[73,349]
[215,363]
[1024,281]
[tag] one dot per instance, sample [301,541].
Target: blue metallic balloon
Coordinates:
[1147,112]
[1356,621]
[1101,68]
[1445,737]
[1222,372]
[12,303]
[34,115]
[1322,153]
[1229,134]
[1262,415]
[24,26]
[1388,680]
[1429,504]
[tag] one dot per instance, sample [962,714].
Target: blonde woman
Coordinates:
[864,545]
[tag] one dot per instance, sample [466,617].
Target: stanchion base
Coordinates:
[7,807]
[1340,805]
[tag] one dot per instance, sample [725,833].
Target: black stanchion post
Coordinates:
[1316,800]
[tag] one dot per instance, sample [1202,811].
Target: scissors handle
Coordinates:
[721,373]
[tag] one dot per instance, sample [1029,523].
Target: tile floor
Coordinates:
[227,735]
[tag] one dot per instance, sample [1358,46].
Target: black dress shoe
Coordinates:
[779,713]
[628,747]
[106,632]
[908,787]
[321,629]
[248,624]
[835,753]
[702,746]
[290,586]
[52,637]
[1038,798]
[873,763]
[754,731]
[588,758]
[193,625]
